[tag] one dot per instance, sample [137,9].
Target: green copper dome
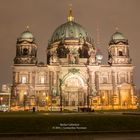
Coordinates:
[26,36]
[69,30]
[118,37]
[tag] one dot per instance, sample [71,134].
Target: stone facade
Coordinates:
[73,77]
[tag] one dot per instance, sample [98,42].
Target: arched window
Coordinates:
[120,53]
[41,79]
[122,79]
[24,79]
[25,51]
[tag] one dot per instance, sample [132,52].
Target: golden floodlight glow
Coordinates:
[47,98]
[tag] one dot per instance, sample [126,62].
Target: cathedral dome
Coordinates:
[71,42]
[118,37]
[26,36]
[69,30]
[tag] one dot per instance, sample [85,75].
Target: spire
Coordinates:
[70,16]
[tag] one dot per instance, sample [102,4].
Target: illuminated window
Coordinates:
[41,79]
[73,82]
[23,79]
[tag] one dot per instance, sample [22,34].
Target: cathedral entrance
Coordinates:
[74,94]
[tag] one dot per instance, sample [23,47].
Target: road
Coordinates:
[134,136]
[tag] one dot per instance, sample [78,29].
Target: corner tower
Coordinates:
[26,49]
[118,51]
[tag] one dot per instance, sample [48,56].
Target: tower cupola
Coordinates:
[118,37]
[118,51]
[26,48]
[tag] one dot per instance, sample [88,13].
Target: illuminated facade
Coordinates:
[74,76]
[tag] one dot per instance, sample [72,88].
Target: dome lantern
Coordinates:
[26,52]
[70,16]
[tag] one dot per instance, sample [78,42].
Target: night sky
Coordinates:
[44,16]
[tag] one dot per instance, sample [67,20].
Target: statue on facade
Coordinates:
[92,57]
[54,57]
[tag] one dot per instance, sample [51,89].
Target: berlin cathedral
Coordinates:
[73,76]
